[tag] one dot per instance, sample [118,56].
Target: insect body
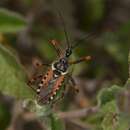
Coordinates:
[53,81]
[49,84]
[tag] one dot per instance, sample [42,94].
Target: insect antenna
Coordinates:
[64,28]
[86,37]
[85,58]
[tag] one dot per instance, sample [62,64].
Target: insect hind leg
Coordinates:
[73,84]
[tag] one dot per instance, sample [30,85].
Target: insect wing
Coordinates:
[49,94]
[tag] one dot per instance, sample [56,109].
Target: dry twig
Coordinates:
[78,113]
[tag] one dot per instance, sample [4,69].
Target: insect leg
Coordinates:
[55,44]
[37,63]
[73,84]
[86,58]
[33,81]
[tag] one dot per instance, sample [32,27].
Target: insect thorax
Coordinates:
[60,67]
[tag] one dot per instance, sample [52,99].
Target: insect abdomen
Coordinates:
[53,88]
[44,81]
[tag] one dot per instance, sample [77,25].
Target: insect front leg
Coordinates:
[37,63]
[82,59]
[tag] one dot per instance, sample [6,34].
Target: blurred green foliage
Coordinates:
[13,78]
[56,123]
[11,22]
[5,116]
[14,81]
[108,94]
[109,117]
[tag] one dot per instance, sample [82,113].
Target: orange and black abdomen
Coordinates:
[40,81]
[44,82]
[48,93]
[47,78]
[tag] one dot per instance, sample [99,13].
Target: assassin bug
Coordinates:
[47,86]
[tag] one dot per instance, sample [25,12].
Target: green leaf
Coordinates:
[109,110]
[124,122]
[123,101]
[114,120]
[108,122]
[107,94]
[12,76]
[95,120]
[109,107]
[11,21]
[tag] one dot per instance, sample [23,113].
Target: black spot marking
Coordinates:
[44,77]
[41,82]
[40,76]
